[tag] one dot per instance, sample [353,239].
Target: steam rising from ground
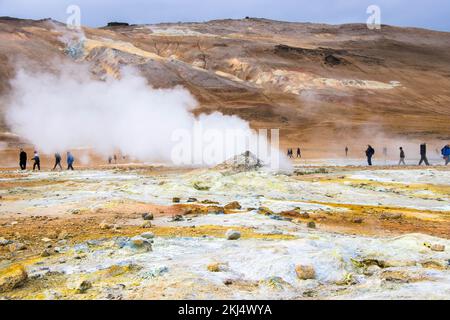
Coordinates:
[70,109]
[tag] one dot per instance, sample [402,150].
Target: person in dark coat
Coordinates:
[346,151]
[423,154]
[37,161]
[369,154]
[70,161]
[299,153]
[57,161]
[402,157]
[23,159]
[446,153]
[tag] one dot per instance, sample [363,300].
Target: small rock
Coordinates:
[227,282]
[147,216]
[305,272]
[213,267]
[265,211]
[232,234]
[192,200]
[139,242]
[16,246]
[84,286]
[147,224]
[391,216]
[4,242]
[63,235]
[46,240]
[176,200]
[104,225]
[438,247]
[148,235]
[233,206]
[371,270]
[311,224]
[357,220]
[177,217]
[12,277]
[46,253]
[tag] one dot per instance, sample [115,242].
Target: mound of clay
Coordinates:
[246,161]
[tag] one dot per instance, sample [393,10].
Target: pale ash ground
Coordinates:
[261,264]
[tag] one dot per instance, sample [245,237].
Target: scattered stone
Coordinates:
[84,286]
[438,247]
[4,242]
[396,276]
[200,186]
[265,211]
[104,225]
[357,220]
[12,277]
[391,216]
[305,272]
[63,235]
[233,206]
[16,246]
[209,202]
[232,234]
[147,216]
[139,242]
[176,200]
[371,270]
[147,224]
[192,200]
[311,224]
[227,282]
[177,217]
[213,267]
[46,253]
[148,235]
[46,240]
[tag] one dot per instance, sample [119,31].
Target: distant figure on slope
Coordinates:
[402,157]
[446,153]
[299,153]
[423,154]
[22,159]
[346,151]
[109,159]
[37,161]
[70,160]
[57,161]
[290,153]
[369,154]
[115,159]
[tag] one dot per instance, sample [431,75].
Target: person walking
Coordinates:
[446,153]
[423,154]
[57,161]
[22,159]
[346,151]
[37,161]
[369,154]
[402,157]
[70,161]
[299,153]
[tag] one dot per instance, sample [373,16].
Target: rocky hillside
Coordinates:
[317,83]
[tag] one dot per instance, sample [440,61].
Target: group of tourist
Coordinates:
[37,160]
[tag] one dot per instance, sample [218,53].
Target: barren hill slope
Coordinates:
[317,83]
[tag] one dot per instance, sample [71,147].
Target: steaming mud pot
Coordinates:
[160,233]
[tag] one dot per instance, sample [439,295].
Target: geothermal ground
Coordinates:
[322,232]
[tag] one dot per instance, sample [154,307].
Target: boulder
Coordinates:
[139,242]
[147,216]
[176,200]
[192,200]
[232,234]
[305,272]
[12,277]
[311,224]
[233,206]
[84,286]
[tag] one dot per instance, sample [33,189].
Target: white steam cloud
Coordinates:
[70,109]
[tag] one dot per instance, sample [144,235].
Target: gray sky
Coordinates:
[430,14]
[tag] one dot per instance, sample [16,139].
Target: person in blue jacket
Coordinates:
[446,153]
[70,160]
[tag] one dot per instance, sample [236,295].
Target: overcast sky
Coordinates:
[431,14]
